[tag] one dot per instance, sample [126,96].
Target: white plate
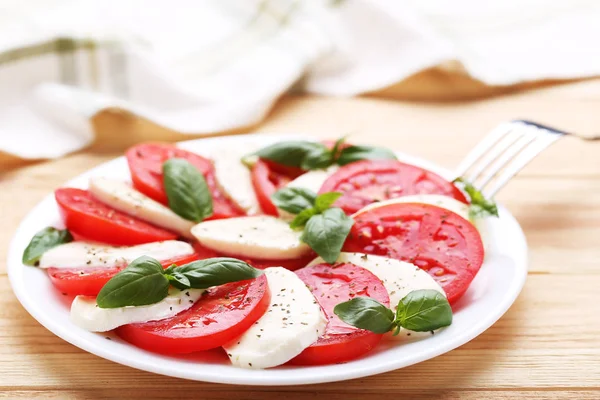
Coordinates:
[492,292]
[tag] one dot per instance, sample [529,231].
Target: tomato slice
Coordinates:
[90,218]
[145,164]
[364,182]
[222,314]
[331,285]
[436,240]
[88,281]
[292,265]
[267,178]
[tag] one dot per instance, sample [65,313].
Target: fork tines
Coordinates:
[504,152]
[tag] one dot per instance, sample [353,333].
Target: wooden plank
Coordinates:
[254,394]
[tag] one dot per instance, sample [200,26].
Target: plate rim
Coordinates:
[14,263]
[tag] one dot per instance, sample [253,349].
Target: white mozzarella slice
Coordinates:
[233,177]
[313,180]
[262,237]
[87,254]
[292,322]
[399,278]
[121,196]
[439,200]
[86,314]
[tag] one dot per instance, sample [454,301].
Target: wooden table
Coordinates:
[546,346]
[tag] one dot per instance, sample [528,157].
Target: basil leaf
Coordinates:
[179,280]
[140,284]
[366,313]
[336,147]
[210,272]
[293,153]
[424,310]
[326,233]
[480,206]
[43,241]
[357,153]
[302,218]
[294,200]
[187,191]
[318,158]
[325,200]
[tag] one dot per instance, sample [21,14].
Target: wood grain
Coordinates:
[547,346]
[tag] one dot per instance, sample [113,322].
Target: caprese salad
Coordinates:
[300,252]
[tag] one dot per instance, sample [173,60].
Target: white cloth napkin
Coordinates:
[202,66]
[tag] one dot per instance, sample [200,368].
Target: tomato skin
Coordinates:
[331,285]
[88,281]
[435,239]
[145,164]
[266,181]
[221,315]
[89,217]
[364,182]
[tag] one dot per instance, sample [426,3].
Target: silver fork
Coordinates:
[504,152]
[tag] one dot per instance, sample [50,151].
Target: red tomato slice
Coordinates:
[145,164]
[222,314]
[88,281]
[267,178]
[364,182]
[331,285]
[436,240]
[98,222]
[292,265]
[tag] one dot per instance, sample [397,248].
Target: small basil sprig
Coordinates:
[314,155]
[144,281]
[420,311]
[43,241]
[480,206]
[325,228]
[187,191]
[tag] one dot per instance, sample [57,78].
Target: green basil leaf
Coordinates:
[179,280]
[424,310]
[366,313]
[325,200]
[141,283]
[292,153]
[326,233]
[318,158]
[480,206]
[335,150]
[301,219]
[357,153]
[294,200]
[217,271]
[43,241]
[187,191]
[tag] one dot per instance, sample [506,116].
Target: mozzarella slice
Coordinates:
[263,237]
[87,254]
[233,177]
[292,322]
[439,200]
[399,277]
[121,196]
[86,314]
[313,180]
